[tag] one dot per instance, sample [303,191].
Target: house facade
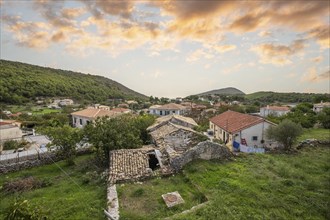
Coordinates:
[9,131]
[320,106]
[175,119]
[274,111]
[81,118]
[245,129]
[167,109]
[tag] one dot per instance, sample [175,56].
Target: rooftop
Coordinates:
[94,113]
[234,121]
[171,106]
[168,118]
[129,164]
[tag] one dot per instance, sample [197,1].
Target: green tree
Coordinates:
[285,133]
[108,134]
[65,138]
[142,122]
[324,118]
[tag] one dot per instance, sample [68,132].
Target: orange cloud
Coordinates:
[312,76]
[322,35]
[278,54]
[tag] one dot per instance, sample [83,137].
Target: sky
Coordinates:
[176,48]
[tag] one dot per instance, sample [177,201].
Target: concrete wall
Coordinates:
[161,112]
[204,150]
[76,121]
[10,133]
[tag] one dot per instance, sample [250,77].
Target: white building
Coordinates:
[245,129]
[65,102]
[167,109]
[274,111]
[9,131]
[320,106]
[86,116]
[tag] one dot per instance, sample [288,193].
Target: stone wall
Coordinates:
[206,150]
[30,161]
[313,143]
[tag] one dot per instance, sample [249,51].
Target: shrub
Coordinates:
[138,193]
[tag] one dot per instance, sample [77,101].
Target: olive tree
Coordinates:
[286,133]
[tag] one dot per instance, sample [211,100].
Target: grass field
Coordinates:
[317,133]
[144,201]
[255,186]
[63,199]
[45,111]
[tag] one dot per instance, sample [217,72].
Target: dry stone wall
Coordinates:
[206,150]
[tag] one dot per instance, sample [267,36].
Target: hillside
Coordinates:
[270,97]
[21,82]
[224,91]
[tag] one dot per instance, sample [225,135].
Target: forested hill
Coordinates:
[21,82]
[224,91]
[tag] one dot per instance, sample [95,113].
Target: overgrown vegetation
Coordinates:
[64,194]
[21,83]
[264,186]
[144,201]
[124,131]
[286,133]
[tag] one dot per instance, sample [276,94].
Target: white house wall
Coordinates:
[12,133]
[258,130]
[76,121]
[162,112]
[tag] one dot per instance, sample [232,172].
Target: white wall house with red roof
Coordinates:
[168,109]
[245,129]
[81,118]
[274,110]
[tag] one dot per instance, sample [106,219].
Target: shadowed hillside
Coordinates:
[22,82]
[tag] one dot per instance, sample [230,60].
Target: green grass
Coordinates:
[264,186]
[63,199]
[144,201]
[317,133]
[45,111]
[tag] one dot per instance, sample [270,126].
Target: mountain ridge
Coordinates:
[21,82]
[223,91]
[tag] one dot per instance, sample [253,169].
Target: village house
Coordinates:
[86,116]
[320,106]
[167,109]
[175,119]
[65,102]
[9,131]
[245,129]
[274,111]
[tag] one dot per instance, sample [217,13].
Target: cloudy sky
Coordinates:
[175,48]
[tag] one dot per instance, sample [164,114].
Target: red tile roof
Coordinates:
[234,121]
[93,113]
[171,106]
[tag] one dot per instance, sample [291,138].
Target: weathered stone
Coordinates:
[172,199]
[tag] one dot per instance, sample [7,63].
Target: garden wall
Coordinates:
[206,150]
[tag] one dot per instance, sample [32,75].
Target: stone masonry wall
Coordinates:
[206,150]
[34,160]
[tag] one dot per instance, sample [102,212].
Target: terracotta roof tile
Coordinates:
[171,106]
[94,113]
[234,121]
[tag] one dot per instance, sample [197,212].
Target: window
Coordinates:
[80,121]
[88,122]
[173,112]
[254,138]
[161,113]
[74,120]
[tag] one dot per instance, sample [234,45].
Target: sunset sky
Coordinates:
[176,48]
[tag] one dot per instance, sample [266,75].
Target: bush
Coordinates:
[10,145]
[22,209]
[24,184]
[138,193]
